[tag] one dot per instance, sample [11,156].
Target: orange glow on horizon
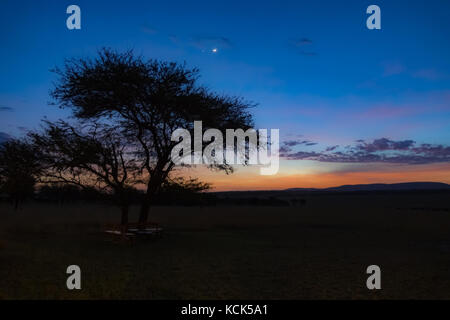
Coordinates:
[395,174]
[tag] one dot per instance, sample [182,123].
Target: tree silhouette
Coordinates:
[20,167]
[89,156]
[148,100]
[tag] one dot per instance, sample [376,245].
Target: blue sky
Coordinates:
[316,71]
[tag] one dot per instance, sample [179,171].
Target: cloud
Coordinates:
[4,108]
[293,143]
[378,150]
[211,42]
[393,68]
[149,30]
[332,148]
[301,155]
[396,68]
[384,144]
[301,42]
[289,144]
[203,43]
[303,46]
[429,74]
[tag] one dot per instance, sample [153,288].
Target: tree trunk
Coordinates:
[143,214]
[152,187]
[124,220]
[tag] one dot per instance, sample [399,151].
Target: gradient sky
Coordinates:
[353,105]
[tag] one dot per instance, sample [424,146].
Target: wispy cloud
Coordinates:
[378,150]
[397,68]
[303,46]
[201,42]
[384,144]
[211,42]
[4,109]
[393,68]
[292,143]
[429,74]
[149,30]
[331,148]
[287,146]
[301,42]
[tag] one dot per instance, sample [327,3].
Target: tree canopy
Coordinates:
[146,100]
[20,168]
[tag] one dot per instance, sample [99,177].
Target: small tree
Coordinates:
[20,167]
[182,191]
[148,100]
[90,156]
[180,184]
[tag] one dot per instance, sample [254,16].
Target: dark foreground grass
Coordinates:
[319,251]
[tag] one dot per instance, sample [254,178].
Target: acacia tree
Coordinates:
[180,184]
[91,155]
[148,100]
[20,167]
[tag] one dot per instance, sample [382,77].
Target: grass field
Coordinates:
[317,251]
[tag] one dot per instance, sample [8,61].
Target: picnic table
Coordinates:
[132,231]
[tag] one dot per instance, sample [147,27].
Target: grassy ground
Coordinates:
[319,251]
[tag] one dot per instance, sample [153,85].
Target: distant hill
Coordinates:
[407,186]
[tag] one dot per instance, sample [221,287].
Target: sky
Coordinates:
[353,105]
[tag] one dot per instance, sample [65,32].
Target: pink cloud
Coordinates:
[429,74]
[391,69]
